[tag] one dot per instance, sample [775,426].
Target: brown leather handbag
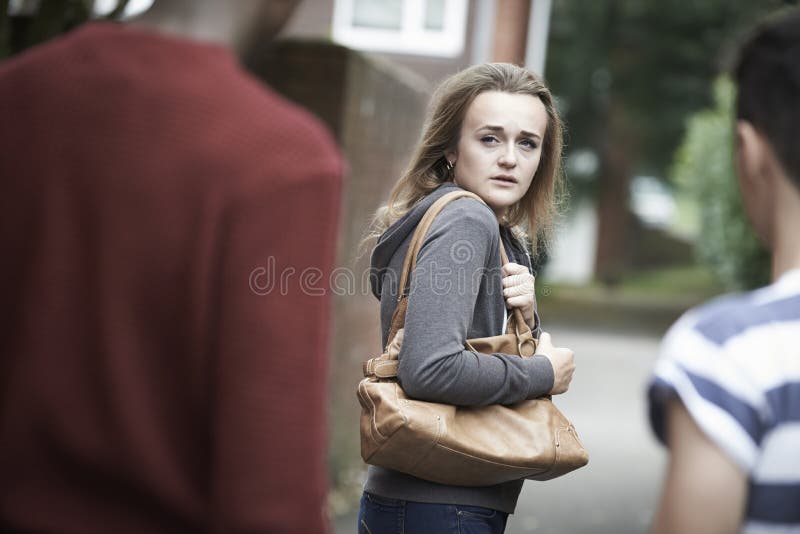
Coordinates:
[457,445]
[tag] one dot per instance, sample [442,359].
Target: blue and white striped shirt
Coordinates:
[735,365]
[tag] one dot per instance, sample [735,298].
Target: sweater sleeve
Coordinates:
[434,365]
[269,409]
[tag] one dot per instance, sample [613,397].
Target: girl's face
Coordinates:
[500,147]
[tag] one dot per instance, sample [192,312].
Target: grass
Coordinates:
[643,300]
[692,282]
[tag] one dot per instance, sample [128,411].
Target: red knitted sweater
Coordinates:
[150,380]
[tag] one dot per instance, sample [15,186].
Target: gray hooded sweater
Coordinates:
[455,294]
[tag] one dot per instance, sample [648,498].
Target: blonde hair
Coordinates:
[428,169]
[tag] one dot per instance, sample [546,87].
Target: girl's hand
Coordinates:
[519,289]
[563,361]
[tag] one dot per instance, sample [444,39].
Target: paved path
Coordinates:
[617,492]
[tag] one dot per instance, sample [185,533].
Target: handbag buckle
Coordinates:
[527,342]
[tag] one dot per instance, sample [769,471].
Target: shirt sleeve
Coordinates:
[434,365]
[269,406]
[716,391]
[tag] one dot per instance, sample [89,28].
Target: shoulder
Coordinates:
[725,360]
[469,215]
[269,142]
[259,143]
[713,321]
[465,230]
[722,322]
[699,345]
[294,139]
[724,318]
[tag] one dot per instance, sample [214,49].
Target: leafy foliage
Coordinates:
[703,167]
[627,74]
[52,18]
[651,62]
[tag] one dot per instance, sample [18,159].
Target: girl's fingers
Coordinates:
[518,279]
[514,268]
[515,291]
[524,301]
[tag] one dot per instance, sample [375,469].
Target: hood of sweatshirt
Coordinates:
[396,234]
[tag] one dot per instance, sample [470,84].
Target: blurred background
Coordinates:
[651,220]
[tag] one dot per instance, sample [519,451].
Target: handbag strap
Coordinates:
[399,315]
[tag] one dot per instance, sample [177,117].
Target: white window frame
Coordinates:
[134,7]
[412,38]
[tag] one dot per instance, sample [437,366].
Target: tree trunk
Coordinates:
[613,243]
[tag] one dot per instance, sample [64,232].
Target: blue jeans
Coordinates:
[380,515]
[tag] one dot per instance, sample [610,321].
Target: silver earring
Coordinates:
[450,166]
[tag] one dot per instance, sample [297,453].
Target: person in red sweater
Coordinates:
[151,377]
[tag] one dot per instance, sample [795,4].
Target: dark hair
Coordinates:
[768,80]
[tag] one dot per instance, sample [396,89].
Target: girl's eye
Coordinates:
[528,143]
[488,139]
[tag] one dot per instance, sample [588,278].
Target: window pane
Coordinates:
[383,14]
[434,15]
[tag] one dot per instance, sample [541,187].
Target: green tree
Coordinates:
[629,73]
[703,167]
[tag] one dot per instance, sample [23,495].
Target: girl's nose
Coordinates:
[508,158]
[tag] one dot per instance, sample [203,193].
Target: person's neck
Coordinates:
[785,241]
[199,23]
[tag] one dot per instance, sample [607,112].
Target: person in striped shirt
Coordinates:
[725,396]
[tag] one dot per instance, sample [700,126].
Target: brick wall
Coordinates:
[375,110]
